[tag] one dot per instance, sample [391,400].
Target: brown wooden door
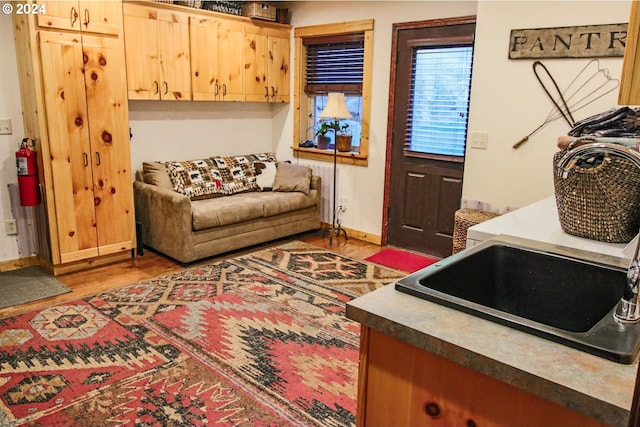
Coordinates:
[424,190]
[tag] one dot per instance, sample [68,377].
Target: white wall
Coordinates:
[509,103]
[10,108]
[506,101]
[364,187]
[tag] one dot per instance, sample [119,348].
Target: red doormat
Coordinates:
[401,260]
[256,340]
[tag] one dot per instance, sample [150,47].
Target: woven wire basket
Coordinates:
[600,202]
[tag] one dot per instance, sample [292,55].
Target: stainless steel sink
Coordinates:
[564,299]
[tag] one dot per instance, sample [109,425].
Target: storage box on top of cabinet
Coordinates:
[259,10]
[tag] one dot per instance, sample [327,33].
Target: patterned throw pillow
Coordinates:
[196,179]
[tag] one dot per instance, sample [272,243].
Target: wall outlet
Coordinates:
[5,127]
[11,227]
[479,140]
[342,204]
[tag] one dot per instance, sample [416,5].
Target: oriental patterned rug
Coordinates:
[258,340]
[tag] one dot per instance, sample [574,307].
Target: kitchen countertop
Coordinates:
[588,384]
[539,221]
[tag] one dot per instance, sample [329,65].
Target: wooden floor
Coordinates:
[152,264]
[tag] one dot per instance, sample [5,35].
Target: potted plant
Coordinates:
[343,138]
[323,139]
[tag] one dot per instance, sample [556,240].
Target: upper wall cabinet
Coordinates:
[157,53]
[630,86]
[267,63]
[217,69]
[104,17]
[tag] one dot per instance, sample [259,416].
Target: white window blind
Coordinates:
[439,100]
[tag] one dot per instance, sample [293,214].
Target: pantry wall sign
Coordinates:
[588,41]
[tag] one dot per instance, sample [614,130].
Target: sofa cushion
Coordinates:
[276,203]
[155,173]
[291,177]
[223,211]
[196,179]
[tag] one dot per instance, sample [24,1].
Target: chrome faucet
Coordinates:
[628,309]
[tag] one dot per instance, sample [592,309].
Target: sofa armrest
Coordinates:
[316,183]
[165,216]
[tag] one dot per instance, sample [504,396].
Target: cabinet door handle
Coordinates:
[217,91]
[86,159]
[73,16]
[266,92]
[97,158]
[166,88]
[86,17]
[273,92]
[157,87]
[224,89]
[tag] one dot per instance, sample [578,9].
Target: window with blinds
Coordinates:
[439,100]
[334,64]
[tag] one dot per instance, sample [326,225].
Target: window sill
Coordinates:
[346,158]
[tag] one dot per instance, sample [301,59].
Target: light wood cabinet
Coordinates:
[157,53]
[217,68]
[267,64]
[402,385]
[630,85]
[104,17]
[75,108]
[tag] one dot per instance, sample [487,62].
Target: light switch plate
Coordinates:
[479,140]
[5,127]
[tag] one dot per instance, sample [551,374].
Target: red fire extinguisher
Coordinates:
[27,175]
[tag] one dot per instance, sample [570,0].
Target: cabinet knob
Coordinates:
[432,409]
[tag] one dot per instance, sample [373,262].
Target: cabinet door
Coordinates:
[204,58]
[175,61]
[230,62]
[63,15]
[403,385]
[109,137]
[256,52]
[61,57]
[104,17]
[141,50]
[279,76]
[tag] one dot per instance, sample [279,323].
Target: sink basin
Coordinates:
[564,299]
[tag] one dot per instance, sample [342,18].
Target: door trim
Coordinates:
[392,90]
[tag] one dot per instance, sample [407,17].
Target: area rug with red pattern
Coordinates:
[257,340]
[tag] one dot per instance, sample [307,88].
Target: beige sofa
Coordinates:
[187,225]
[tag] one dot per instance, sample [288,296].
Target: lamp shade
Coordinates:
[336,107]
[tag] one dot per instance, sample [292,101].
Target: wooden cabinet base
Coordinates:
[402,385]
[86,264]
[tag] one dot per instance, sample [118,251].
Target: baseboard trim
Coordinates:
[360,235]
[16,264]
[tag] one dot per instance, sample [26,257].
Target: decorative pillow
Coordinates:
[155,173]
[196,179]
[265,174]
[292,178]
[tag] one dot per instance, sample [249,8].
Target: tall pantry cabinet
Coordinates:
[73,87]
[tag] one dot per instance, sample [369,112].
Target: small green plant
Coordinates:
[326,127]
